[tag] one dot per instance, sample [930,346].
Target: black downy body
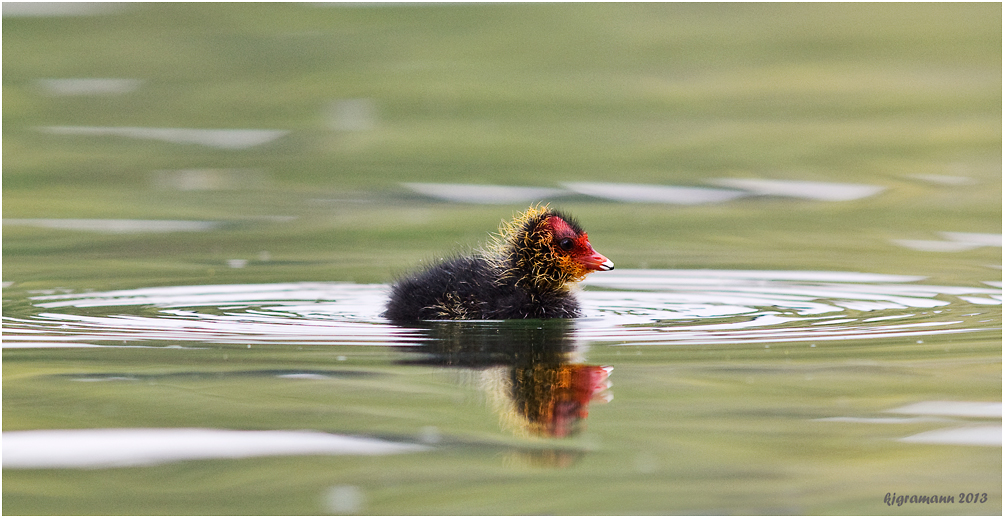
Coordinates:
[522,277]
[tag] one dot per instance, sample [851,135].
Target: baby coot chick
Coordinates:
[526,273]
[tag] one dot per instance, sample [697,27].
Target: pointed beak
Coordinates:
[598,261]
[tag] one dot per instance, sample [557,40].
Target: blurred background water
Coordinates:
[203,204]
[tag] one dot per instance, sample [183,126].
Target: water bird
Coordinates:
[526,272]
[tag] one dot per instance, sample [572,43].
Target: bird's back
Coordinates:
[472,288]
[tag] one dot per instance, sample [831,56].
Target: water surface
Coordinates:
[692,375]
[173,343]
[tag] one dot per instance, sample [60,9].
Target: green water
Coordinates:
[904,97]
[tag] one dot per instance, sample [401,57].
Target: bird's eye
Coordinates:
[566,244]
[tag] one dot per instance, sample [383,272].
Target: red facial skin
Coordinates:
[582,258]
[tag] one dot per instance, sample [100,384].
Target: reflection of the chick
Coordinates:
[529,369]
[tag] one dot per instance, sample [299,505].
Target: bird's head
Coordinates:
[548,249]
